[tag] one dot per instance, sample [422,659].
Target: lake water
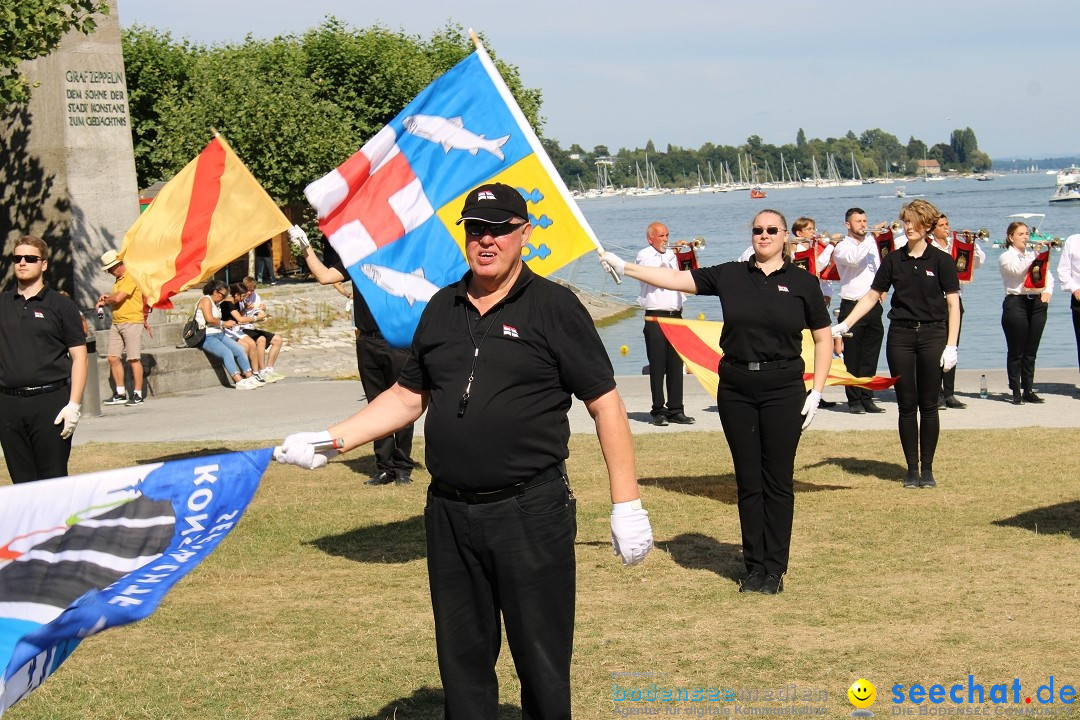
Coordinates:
[723,219]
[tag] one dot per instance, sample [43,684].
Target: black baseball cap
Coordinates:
[494,203]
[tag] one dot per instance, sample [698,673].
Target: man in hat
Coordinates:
[495,362]
[125,334]
[42,369]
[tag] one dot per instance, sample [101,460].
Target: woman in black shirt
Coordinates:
[761,396]
[924,324]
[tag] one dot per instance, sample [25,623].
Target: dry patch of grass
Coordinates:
[317,606]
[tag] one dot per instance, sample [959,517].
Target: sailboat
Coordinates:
[856,175]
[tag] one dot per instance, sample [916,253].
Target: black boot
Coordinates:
[911,480]
[926,480]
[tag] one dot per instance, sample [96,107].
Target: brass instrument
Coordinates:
[831,238]
[895,226]
[982,235]
[697,243]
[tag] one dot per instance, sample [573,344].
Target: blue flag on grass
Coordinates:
[84,553]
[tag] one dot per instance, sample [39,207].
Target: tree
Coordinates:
[33,28]
[800,139]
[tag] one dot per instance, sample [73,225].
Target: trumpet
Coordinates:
[982,235]
[697,243]
[831,238]
[896,226]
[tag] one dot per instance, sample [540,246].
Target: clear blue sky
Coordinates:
[691,72]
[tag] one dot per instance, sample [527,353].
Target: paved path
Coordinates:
[296,404]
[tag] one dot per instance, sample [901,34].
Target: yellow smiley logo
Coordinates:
[862,693]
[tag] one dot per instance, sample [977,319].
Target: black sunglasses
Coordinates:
[772,230]
[31,259]
[475,228]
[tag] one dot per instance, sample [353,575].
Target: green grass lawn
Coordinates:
[316,606]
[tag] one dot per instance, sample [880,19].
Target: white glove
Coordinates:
[298,449]
[948,358]
[613,263]
[840,329]
[298,239]
[631,533]
[809,408]
[69,415]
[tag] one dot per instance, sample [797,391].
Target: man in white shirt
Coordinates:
[857,262]
[942,239]
[664,362]
[1068,272]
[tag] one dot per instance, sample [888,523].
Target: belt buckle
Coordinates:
[753,366]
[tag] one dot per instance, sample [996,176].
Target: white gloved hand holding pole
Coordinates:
[300,449]
[613,264]
[840,329]
[298,239]
[631,533]
[69,415]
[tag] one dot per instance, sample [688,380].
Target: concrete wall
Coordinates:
[67,165]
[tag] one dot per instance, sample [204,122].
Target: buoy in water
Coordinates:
[701,316]
[624,350]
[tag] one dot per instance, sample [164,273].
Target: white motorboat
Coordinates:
[901,191]
[1067,193]
[1068,175]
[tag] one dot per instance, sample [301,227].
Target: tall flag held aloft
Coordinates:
[84,553]
[698,344]
[390,210]
[212,212]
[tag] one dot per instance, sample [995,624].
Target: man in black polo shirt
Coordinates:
[42,369]
[495,362]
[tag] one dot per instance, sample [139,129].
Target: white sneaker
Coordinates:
[247,384]
[273,376]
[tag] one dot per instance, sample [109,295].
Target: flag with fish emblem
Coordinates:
[81,554]
[698,344]
[212,212]
[390,210]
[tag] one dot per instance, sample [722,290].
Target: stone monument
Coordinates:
[67,165]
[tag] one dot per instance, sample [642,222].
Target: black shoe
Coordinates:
[383,478]
[659,419]
[1032,398]
[402,478]
[927,480]
[773,585]
[855,409]
[911,480]
[116,399]
[870,407]
[135,400]
[827,404]
[941,403]
[1017,399]
[680,419]
[953,403]
[752,582]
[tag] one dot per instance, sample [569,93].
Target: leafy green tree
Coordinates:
[800,139]
[33,28]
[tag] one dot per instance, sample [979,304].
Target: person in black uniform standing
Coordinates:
[761,397]
[495,361]
[42,369]
[379,365]
[924,324]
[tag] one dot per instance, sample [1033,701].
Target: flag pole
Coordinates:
[538,149]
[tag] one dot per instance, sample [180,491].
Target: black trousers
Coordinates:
[515,559]
[1075,305]
[948,379]
[33,448]
[914,356]
[862,349]
[380,365]
[664,364]
[1023,318]
[760,413]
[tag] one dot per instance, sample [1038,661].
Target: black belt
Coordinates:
[915,324]
[756,366]
[36,390]
[664,313]
[371,333]
[1018,296]
[475,498]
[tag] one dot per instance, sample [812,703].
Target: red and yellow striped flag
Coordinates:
[698,344]
[209,214]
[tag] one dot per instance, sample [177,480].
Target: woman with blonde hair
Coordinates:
[1023,312]
[924,324]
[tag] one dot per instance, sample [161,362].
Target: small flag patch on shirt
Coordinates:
[39,314]
[510,331]
[929,273]
[782,288]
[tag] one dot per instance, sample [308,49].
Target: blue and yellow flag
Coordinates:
[390,210]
